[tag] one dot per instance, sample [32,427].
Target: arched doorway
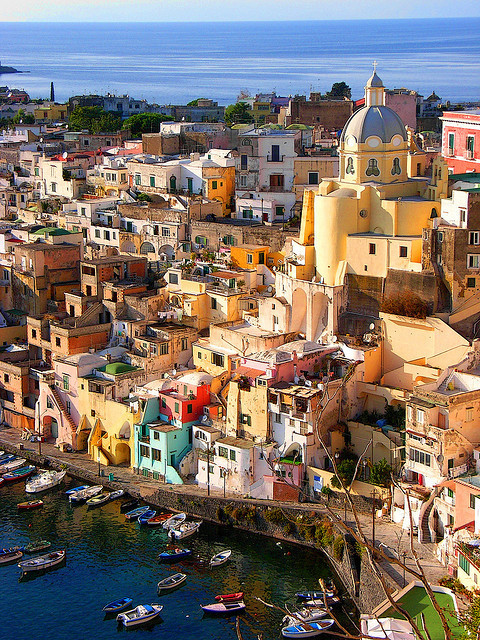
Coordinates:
[166,252]
[128,247]
[122,454]
[299,316]
[54,428]
[173,183]
[147,247]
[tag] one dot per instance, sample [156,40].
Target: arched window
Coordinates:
[350,168]
[372,169]
[396,169]
[147,247]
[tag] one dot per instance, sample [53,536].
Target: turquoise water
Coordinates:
[108,558]
[173,63]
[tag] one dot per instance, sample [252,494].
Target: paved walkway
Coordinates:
[386,532]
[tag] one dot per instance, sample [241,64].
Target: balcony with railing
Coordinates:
[472,553]
[275,158]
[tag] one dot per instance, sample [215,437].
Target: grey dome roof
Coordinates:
[374,81]
[378,121]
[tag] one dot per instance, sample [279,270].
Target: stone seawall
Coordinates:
[303,524]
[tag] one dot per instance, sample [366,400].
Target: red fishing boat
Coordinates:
[230,597]
[31,504]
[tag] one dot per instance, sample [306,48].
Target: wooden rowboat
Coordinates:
[159,519]
[30,504]
[230,596]
[12,556]
[306,630]
[172,582]
[220,558]
[224,607]
[117,605]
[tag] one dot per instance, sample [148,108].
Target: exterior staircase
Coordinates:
[425,534]
[63,409]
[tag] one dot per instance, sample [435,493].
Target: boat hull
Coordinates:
[117,605]
[170,583]
[130,619]
[42,563]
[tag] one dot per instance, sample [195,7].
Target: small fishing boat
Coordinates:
[117,605]
[12,465]
[141,614]
[184,530]
[172,582]
[12,556]
[7,550]
[97,501]
[114,495]
[175,520]
[40,563]
[314,595]
[306,630]
[30,504]
[220,558]
[145,517]
[80,496]
[133,515]
[35,547]
[306,614]
[224,607]
[232,597]
[75,489]
[19,474]
[129,505]
[159,519]
[321,603]
[174,554]
[44,481]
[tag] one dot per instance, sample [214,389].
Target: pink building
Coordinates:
[185,398]
[461,140]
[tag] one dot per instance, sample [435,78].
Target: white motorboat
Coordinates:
[39,563]
[85,494]
[175,520]
[140,615]
[44,481]
[184,530]
[305,614]
[220,558]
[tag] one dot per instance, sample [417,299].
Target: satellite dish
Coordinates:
[64,155]
[371,326]
[334,339]
[440,458]
[269,288]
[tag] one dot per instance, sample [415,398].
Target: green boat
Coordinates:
[41,545]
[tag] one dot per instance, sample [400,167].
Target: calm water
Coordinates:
[176,62]
[108,558]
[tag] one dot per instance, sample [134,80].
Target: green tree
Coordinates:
[144,123]
[94,119]
[471,618]
[340,90]
[346,471]
[194,103]
[23,118]
[381,474]
[238,114]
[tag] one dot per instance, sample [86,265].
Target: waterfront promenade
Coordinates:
[79,464]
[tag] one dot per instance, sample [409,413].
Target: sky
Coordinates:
[230,10]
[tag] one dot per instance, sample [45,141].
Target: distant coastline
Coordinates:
[8,70]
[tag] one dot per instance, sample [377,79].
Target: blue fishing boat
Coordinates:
[133,515]
[75,489]
[145,517]
[174,554]
[117,605]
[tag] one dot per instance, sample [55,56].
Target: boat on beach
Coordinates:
[44,481]
[30,504]
[40,563]
[175,520]
[85,494]
[12,556]
[172,582]
[117,605]
[306,630]
[140,615]
[19,474]
[174,554]
[220,558]
[184,530]
[224,607]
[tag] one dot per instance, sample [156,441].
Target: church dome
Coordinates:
[379,121]
[374,81]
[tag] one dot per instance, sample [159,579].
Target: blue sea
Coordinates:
[109,558]
[173,63]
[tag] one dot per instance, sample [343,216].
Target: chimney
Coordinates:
[52,93]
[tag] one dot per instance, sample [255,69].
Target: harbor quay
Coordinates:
[366,593]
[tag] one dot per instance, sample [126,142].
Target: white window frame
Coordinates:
[473,261]
[474,237]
